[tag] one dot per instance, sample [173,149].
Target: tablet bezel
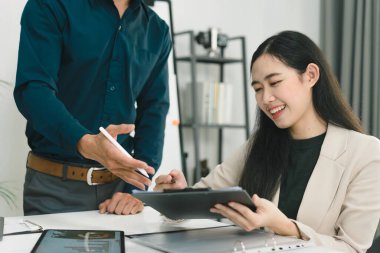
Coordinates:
[42,236]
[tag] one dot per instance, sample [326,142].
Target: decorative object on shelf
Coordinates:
[212,40]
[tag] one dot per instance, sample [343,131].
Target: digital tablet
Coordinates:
[193,203]
[76,241]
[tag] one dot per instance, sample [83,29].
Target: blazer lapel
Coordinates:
[325,179]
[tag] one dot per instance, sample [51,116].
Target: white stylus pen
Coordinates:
[119,147]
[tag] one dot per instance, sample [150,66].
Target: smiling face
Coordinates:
[284,95]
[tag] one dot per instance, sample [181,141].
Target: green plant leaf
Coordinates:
[8,196]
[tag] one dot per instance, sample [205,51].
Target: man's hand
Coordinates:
[174,180]
[121,203]
[98,148]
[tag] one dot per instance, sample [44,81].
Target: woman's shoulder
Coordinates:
[355,142]
[353,136]
[356,138]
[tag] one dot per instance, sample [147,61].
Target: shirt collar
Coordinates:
[133,4]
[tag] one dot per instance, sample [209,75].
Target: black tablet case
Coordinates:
[192,203]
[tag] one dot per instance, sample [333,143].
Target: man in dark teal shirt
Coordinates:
[85,64]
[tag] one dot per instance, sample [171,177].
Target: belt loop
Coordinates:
[64,172]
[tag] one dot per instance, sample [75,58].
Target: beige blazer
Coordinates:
[340,208]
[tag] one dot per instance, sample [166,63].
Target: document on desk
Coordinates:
[20,226]
[147,222]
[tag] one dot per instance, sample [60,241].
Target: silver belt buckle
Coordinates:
[89,175]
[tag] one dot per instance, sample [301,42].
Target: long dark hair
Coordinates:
[267,156]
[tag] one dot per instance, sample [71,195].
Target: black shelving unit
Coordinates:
[220,61]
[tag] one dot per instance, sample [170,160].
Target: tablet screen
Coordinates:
[76,241]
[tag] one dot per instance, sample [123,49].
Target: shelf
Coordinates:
[206,59]
[214,125]
[195,125]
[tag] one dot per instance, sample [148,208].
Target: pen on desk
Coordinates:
[120,148]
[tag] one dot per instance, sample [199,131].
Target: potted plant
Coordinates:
[7,195]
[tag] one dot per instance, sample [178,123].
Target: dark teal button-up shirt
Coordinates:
[81,66]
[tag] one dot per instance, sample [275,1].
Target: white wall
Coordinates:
[10,13]
[13,147]
[254,19]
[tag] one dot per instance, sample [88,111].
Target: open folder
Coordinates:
[192,203]
[223,239]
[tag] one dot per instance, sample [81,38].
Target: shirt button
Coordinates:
[112,88]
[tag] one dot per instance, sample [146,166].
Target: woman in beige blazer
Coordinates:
[307,154]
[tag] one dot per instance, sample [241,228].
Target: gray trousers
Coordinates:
[45,194]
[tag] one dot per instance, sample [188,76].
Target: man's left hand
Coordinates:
[121,203]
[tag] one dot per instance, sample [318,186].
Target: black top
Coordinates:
[303,157]
[81,66]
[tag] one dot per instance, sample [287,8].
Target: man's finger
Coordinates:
[132,177]
[103,206]
[125,161]
[137,208]
[122,203]
[115,130]
[134,183]
[128,207]
[111,206]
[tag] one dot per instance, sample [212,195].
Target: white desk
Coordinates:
[149,221]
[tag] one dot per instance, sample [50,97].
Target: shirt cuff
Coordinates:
[70,134]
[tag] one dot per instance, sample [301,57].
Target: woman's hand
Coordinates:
[174,180]
[266,215]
